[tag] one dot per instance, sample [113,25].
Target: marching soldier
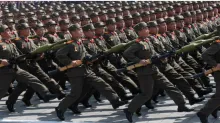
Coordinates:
[211,56]
[80,74]
[14,72]
[149,76]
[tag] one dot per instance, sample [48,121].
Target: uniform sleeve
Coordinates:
[62,55]
[208,55]
[130,53]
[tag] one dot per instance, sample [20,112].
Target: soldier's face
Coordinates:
[180,24]
[171,13]
[196,6]
[6,34]
[188,20]
[146,19]
[99,31]
[89,34]
[137,20]
[205,15]
[153,30]
[211,13]
[64,27]
[111,27]
[40,31]
[178,10]
[185,8]
[52,28]
[120,24]
[25,32]
[95,19]
[103,17]
[199,17]
[162,27]
[144,32]
[129,22]
[152,17]
[77,33]
[171,26]
[126,12]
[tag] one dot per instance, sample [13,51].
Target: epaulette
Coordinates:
[158,35]
[16,39]
[69,42]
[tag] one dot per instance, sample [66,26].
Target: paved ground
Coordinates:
[165,112]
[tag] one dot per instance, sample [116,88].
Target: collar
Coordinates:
[141,39]
[25,39]
[8,41]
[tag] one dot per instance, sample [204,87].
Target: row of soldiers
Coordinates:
[156,30]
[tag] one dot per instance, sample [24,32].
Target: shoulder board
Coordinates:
[17,38]
[32,37]
[84,39]
[158,35]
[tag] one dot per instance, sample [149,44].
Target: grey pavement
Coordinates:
[165,112]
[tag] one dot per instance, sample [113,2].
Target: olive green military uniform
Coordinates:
[149,76]
[81,74]
[176,78]
[211,56]
[26,46]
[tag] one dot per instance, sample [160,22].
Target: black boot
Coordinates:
[202,117]
[118,103]
[10,106]
[75,109]
[49,97]
[26,102]
[61,96]
[86,104]
[204,91]
[149,105]
[138,112]
[184,109]
[215,113]
[60,114]
[128,115]
[127,97]
[194,100]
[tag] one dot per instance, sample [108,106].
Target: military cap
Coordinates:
[63,12]
[164,9]
[74,27]
[170,20]
[186,14]
[136,14]
[50,23]
[10,21]
[193,13]
[218,4]
[64,21]
[94,14]
[160,20]
[158,10]
[23,20]
[204,10]
[102,12]
[21,14]
[9,15]
[89,9]
[22,26]
[152,24]
[110,11]
[29,14]
[110,21]
[152,5]
[119,18]
[152,12]
[170,8]
[40,11]
[177,5]
[209,8]
[3,28]
[133,7]
[45,17]
[88,27]
[39,25]
[198,11]
[118,10]
[146,5]
[75,18]
[99,25]
[125,7]
[179,17]
[127,17]
[145,13]
[32,19]
[140,26]
[84,17]
[214,5]
[55,14]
